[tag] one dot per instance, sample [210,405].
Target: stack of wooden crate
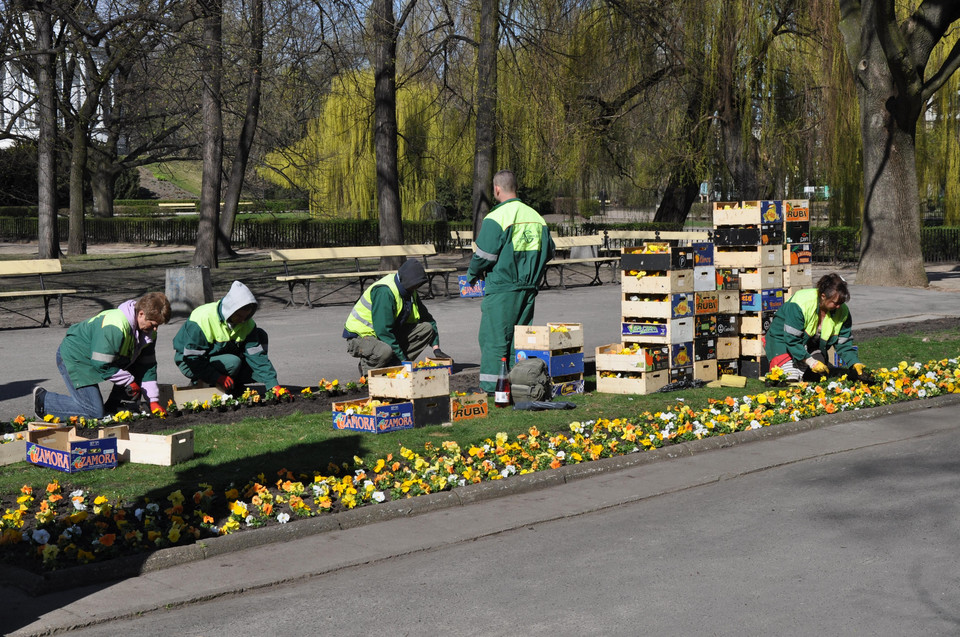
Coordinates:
[560,346]
[797,266]
[748,238]
[427,388]
[657,319]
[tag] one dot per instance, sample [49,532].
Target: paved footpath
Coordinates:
[306,344]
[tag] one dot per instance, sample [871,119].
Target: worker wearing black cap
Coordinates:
[390,323]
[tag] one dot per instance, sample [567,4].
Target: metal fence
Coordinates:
[828,245]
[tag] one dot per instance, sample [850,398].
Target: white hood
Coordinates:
[238,297]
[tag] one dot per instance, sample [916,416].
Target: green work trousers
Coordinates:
[374,353]
[500,312]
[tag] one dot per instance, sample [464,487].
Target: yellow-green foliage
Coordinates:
[336,162]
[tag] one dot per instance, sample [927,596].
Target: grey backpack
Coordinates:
[530,380]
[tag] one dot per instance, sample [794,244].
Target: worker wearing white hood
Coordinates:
[221,345]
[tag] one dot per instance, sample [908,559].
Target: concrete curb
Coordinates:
[132,566]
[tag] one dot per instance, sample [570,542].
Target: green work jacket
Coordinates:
[513,248]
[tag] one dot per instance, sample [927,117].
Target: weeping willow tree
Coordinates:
[336,164]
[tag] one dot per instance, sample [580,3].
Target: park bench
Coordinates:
[179,207]
[615,239]
[567,245]
[358,254]
[39,267]
[462,239]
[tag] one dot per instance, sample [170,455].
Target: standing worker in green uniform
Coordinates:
[222,346]
[390,324]
[117,346]
[513,248]
[807,325]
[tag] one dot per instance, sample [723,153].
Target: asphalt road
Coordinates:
[852,542]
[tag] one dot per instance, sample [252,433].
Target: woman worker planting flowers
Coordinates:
[116,345]
[807,325]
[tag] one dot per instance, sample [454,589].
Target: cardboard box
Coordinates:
[433,410]
[754,367]
[729,302]
[545,336]
[771,212]
[385,418]
[704,349]
[705,326]
[468,291]
[797,253]
[567,386]
[62,449]
[706,302]
[728,347]
[727,236]
[705,370]
[762,301]
[638,330]
[702,253]
[751,346]
[796,210]
[632,383]
[704,278]
[658,282]
[650,358]
[670,306]
[14,450]
[728,278]
[681,354]
[798,276]
[189,393]
[728,324]
[674,258]
[730,367]
[748,257]
[755,322]
[415,383]
[148,448]
[469,406]
[440,363]
[796,232]
[678,374]
[558,364]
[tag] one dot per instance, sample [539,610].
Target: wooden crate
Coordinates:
[728,347]
[190,393]
[704,278]
[798,276]
[14,451]
[149,448]
[547,337]
[796,210]
[659,282]
[647,359]
[761,278]
[641,383]
[729,302]
[410,384]
[751,346]
[755,323]
[705,370]
[656,332]
[751,257]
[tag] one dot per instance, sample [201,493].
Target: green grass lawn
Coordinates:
[235,453]
[184,174]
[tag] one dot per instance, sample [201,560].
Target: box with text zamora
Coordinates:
[62,449]
[468,291]
[384,418]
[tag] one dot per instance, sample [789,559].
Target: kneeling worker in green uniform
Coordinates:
[390,323]
[222,346]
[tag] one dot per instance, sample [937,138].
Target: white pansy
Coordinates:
[283,518]
[40,536]
[379,496]
[153,507]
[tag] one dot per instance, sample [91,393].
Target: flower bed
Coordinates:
[49,528]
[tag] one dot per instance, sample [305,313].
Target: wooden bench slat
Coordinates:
[29,266]
[39,267]
[36,293]
[358,252]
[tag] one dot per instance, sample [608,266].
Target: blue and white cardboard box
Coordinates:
[385,418]
[62,449]
[468,291]
[557,364]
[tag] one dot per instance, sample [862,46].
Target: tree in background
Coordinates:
[889,58]
[211,72]
[485,149]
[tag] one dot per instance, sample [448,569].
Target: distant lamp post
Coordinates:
[603,203]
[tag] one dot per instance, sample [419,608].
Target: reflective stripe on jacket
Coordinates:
[794,328]
[513,248]
[360,321]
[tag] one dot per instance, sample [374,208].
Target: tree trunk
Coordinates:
[485,153]
[76,244]
[48,235]
[677,199]
[247,133]
[890,250]
[212,62]
[102,183]
[385,127]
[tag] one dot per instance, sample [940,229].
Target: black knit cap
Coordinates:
[411,275]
